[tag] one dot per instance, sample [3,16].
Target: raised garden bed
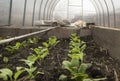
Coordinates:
[102,64]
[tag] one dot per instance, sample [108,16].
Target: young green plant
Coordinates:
[30,61]
[52,41]
[6,73]
[12,49]
[76,67]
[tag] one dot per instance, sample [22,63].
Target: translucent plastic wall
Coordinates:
[26,12]
[4,11]
[107,12]
[74,10]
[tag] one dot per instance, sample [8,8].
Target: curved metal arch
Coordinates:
[53,5]
[33,16]
[40,9]
[102,12]
[10,12]
[97,12]
[49,8]
[114,13]
[24,13]
[52,8]
[44,13]
[107,13]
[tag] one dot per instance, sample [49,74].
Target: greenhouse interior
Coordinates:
[59,40]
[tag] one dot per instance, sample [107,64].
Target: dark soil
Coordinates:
[103,65]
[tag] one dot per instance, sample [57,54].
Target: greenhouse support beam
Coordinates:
[97,12]
[39,16]
[10,12]
[68,9]
[114,13]
[24,13]
[44,13]
[24,36]
[33,15]
[107,13]
[82,6]
[49,9]
[102,12]
[52,9]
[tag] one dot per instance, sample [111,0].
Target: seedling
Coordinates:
[33,40]
[30,60]
[6,73]
[31,69]
[41,52]
[76,67]
[12,49]
[25,43]
[77,70]
[52,41]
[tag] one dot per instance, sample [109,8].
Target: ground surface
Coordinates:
[102,64]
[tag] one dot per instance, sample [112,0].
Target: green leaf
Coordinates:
[28,62]
[18,45]
[24,44]
[4,76]
[45,44]
[5,73]
[38,51]
[32,58]
[10,49]
[53,41]
[17,74]
[87,80]
[83,67]
[79,76]
[19,68]
[30,71]
[63,77]
[66,64]
[5,59]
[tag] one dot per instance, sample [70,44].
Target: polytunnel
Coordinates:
[59,40]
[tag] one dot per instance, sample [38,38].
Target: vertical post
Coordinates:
[102,13]
[68,10]
[44,14]
[114,13]
[49,9]
[52,9]
[33,16]
[82,11]
[98,12]
[40,10]
[107,13]
[10,12]
[24,13]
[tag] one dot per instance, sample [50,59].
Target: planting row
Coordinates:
[28,70]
